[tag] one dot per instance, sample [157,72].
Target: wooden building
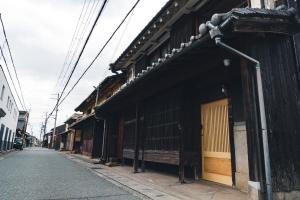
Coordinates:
[88,129]
[70,132]
[60,137]
[213,88]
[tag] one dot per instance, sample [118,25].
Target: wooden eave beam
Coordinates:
[264,25]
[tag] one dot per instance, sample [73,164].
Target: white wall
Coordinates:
[12,112]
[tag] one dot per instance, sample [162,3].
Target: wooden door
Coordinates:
[216,157]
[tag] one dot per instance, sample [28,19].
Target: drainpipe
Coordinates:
[263,121]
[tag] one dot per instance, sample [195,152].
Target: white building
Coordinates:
[8,114]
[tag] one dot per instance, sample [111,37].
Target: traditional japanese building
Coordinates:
[69,134]
[60,138]
[88,129]
[212,89]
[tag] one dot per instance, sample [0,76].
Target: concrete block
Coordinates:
[241,156]
[254,190]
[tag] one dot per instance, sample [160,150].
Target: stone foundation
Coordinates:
[241,156]
[293,195]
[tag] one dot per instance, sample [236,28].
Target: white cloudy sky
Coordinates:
[39,33]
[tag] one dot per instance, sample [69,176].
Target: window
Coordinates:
[11,106]
[8,101]
[2,92]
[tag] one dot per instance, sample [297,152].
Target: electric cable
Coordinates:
[13,63]
[89,66]
[81,52]
[71,45]
[4,59]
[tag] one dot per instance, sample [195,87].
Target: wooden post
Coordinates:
[181,138]
[136,146]
[144,132]
[181,155]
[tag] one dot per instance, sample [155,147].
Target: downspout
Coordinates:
[102,158]
[263,121]
[215,30]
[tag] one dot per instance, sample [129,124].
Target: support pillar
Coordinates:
[136,142]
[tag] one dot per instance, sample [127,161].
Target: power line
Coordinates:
[71,45]
[13,63]
[89,66]
[83,48]
[2,54]
[81,52]
[92,11]
[81,32]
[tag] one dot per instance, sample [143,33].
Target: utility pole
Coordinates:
[55,119]
[42,125]
[45,123]
[43,130]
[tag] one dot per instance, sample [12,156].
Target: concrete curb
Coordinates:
[3,153]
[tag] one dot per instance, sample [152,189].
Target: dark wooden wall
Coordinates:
[97,138]
[161,121]
[182,30]
[282,99]
[87,138]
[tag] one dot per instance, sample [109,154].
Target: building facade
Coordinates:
[212,91]
[88,129]
[9,114]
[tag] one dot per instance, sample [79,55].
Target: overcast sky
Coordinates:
[40,32]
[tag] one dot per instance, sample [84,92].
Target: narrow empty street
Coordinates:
[44,174]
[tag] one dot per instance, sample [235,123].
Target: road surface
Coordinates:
[45,174]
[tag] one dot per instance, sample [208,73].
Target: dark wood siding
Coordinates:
[182,30]
[282,100]
[161,122]
[87,144]
[140,65]
[97,139]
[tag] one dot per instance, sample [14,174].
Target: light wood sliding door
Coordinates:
[216,157]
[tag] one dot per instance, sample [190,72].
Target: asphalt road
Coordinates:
[45,174]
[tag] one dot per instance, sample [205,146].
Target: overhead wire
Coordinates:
[78,37]
[98,54]
[119,42]
[12,61]
[81,52]
[9,73]
[71,45]
[83,32]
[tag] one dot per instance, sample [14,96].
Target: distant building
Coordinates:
[22,127]
[8,114]
[68,138]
